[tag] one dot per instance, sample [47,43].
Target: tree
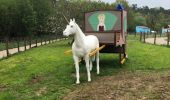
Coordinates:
[43,10]
[8,10]
[17,17]
[26,18]
[139,20]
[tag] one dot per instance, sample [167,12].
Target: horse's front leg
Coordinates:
[88,67]
[76,61]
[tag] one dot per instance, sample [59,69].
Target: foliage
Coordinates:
[44,11]
[31,17]
[156,18]
[8,16]
[23,17]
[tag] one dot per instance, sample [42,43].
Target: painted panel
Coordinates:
[103,21]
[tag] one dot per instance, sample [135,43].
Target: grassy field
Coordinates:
[46,73]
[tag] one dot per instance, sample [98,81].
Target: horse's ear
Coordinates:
[70,20]
[74,20]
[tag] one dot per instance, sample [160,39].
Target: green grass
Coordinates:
[26,73]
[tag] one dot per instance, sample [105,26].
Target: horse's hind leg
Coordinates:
[88,67]
[76,61]
[91,64]
[97,62]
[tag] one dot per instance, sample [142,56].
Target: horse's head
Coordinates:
[71,28]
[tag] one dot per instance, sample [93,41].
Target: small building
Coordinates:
[165,30]
[142,29]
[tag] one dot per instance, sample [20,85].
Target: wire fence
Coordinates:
[12,45]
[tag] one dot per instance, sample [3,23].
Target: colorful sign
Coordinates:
[103,21]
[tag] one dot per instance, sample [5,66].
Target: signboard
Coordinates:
[103,21]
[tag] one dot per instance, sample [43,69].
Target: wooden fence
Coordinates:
[25,43]
[155,36]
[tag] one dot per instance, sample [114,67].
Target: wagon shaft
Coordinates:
[90,54]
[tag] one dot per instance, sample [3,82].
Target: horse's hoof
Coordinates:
[98,73]
[89,80]
[77,82]
[126,56]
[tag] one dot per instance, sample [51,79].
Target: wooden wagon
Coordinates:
[111,29]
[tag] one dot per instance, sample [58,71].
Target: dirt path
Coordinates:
[125,86]
[159,41]
[15,50]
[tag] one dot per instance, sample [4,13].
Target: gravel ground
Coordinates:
[159,41]
[125,86]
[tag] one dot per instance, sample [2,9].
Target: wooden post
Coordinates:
[52,39]
[120,58]
[25,43]
[154,38]
[45,40]
[36,41]
[141,36]
[30,41]
[41,39]
[56,37]
[147,34]
[144,37]
[18,44]
[7,46]
[168,39]
[49,39]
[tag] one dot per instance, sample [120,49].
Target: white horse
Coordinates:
[81,47]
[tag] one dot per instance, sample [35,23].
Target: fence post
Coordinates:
[36,41]
[168,39]
[154,38]
[144,36]
[135,34]
[52,39]
[147,34]
[49,39]
[25,43]
[18,44]
[7,46]
[30,41]
[45,40]
[41,39]
[56,37]
[141,36]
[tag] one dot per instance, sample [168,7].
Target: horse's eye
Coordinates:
[71,26]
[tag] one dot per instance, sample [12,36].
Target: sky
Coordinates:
[151,3]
